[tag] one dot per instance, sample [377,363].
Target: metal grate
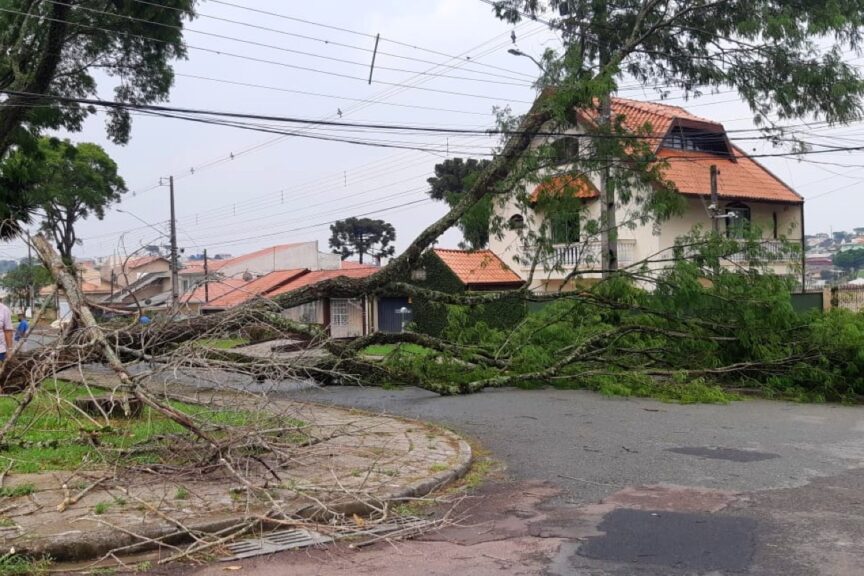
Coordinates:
[275,542]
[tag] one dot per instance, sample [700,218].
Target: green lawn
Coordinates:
[387,349]
[222,343]
[54,435]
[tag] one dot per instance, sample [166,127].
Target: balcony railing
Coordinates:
[581,255]
[769,250]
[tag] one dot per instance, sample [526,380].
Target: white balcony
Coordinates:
[564,258]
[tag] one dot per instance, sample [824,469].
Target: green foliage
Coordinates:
[17,281]
[72,183]
[16,491]
[54,435]
[18,565]
[432,318]
[53,48]
[452,179]
[849,260]
[388,349]
[361,236]
[222,343]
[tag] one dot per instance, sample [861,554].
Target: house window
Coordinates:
[516,222]
[308,312]
[339,312]
[681,138]
[774,214]
[565,228]
[565,149]
[418,275]
[737,220]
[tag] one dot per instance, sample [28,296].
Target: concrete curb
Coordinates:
[91,544]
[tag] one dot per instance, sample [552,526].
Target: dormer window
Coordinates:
[684,138]
[565,149]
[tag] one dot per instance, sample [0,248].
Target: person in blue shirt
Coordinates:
[23,327]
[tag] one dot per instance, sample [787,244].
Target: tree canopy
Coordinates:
[73,182]
[17,281]
[52,48]
[452,179]
[361,236]
[849,260]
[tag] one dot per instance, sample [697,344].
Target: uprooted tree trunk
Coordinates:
[93,331]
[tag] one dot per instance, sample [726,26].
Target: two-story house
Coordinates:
[749,197]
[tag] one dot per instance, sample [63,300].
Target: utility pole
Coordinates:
[31,290]
[206,279]
[715,202]
[175,284]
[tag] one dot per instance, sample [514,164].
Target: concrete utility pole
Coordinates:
[715,201]
[31,290]
[175,284]
[206,279]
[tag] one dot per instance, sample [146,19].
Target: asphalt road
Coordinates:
[609,486]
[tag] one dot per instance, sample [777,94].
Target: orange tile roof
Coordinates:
[320,276]
[742,179]
[90,288]
[258,287]
[577,186]
[689,170]
[215,289]
[350,264]
[193,267]
[141,261]
[480,267]
[636,114]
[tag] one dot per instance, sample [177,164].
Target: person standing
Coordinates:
[23,327]
[8,330]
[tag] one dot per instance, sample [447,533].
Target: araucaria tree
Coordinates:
[452,179]
[49,52]
[362,236]
[73,182]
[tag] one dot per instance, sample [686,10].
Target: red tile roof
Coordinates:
[320,276]
[480,267]
[90,288]
[193,267]
[741,179]
[215,289]
[261,286]
[689,170]
[350,265]
[577,186]
[141,261]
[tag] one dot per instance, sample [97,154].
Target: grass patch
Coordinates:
[438,468]
[388,349]
[16,565]
[17,491]
[181,494]
[101,508]
[53,435]
[222,343]
[6,522]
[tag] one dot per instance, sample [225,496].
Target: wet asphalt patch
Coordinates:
[730,454]
[693,542]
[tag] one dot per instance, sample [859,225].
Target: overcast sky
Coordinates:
[287,189]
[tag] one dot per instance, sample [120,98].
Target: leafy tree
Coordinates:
[452,179]
[849,260]
[52,47]
[73,183]
[784,59]
[362,236]
[17,281]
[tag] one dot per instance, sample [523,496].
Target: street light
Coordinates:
[120,210]
[517,52]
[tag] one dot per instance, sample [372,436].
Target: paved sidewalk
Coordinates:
[358,458]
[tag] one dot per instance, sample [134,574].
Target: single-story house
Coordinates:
[344,317]
[452,271]
[246,291]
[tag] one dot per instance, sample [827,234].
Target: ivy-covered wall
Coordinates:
[431,318]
